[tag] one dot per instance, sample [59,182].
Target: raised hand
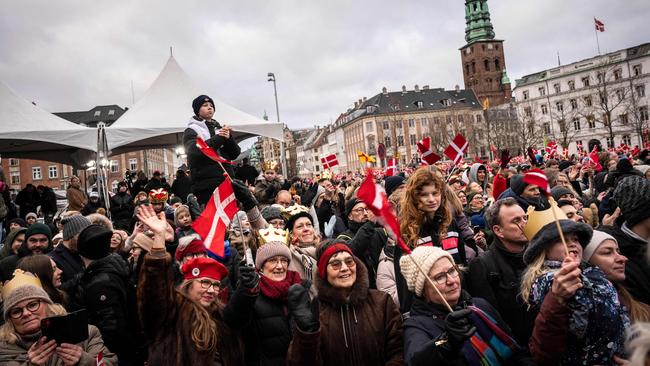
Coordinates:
[156,223]
[567,279]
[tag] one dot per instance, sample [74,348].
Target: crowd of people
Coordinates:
[497,271]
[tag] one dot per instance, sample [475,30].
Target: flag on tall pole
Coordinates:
[600,26]
[215,218]
[456,148]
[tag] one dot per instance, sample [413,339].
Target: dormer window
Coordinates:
[98,113]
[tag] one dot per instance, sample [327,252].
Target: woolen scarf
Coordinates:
[278,290]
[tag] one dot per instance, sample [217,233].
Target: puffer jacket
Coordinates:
[168,317]
[121,209]
[16,354]
[365,329]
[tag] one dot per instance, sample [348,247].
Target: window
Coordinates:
[15,177]
[526,95]
[436,120]
[576,124]
[620,95]
[578,143]
[542,91]
[572,85]
[497,64]
[544,109]
[448,119]
[111,112]
[592,121]
[559,106]
[623,118]
[36,173]
[636,70]
[413,139]
[618,74]
[610,142]
[643,113]
[369,126]
[574,104]
[585,81]
[411,122]
[478,118]
[385,125]
[460,118]
[13,162]
[52,172]
[547,128]
[473,67]
[640,90]
[370,109]
[387,141]
[528,112]
[114,186]
[424,121]
[133,164]
[400,140]
[627,140]
[486,64]
[588,101]
[602,96]
[562,124]
[115,166]
[98,113]
[556,87]
[420,104]
[601,77]
[467,69]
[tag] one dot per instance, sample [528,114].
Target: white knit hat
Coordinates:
[596,240]
[425,256]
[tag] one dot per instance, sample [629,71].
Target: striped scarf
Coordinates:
[490,345]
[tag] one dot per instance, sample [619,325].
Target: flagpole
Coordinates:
[596,31]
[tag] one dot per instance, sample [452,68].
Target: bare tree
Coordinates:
[565,116]
[527,128]
[637,110]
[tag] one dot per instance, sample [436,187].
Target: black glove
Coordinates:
[248,278]
[458,329]
[505,158]
[301,310]
[243,194]
[270,191]
[532,157]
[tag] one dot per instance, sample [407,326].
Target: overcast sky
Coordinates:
[73,55]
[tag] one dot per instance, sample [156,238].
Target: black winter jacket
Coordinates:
[68,262]
[122,210]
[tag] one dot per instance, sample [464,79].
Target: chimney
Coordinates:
[417,88]
[364,99]
[457,88]
[425,87]
[403,88]
[384,90]
[356,105]
[360,101]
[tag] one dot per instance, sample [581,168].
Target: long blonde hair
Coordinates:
[637,312]
[410,215]
[533,271]
[8,331]
[204,329]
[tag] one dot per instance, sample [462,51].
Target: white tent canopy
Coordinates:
[27,131]
[159,118]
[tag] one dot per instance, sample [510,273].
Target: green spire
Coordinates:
[504,78]
[477,18]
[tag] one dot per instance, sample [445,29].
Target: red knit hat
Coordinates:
[324,258]
[204,267]
[195,246]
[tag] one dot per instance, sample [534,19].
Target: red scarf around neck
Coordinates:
[278,290]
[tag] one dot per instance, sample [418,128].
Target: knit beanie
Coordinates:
[270,250]
[596,240]
[471,196]
[559,191]
[190,244]
[548,235]
[426,257]
[178,210]
[633,197]
[349,205]
[23,286]
[326,250]
[517,184]
[392,183]
[271,212]
[94,242]
[198,102]
[31,214]
[18,221]
[292,219]
[38,228]
[72,225]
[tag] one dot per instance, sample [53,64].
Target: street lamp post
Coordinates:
[283,160]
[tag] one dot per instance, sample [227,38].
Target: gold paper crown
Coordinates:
[293,210]
[538,219]
[269,165]
[326,174]
[21,278]
[272,234]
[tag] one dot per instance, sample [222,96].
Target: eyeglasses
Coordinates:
[336,264]
[361,209]
[205,284]
[281,260]
[31,306]
[441,278]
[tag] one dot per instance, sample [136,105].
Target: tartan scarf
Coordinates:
[490,345]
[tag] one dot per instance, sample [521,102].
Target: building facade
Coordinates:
[603,97]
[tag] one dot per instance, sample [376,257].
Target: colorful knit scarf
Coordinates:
[278,290]
[490,345]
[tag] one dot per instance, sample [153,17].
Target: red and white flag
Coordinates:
[456,148]
[537,177]
[600,26]
[215,218]
[551,148]
[428,156]
[210,152]
[329,161]
[391,167]
[99,360]
[374,196]
[593,160]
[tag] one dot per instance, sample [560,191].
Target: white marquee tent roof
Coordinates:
[27,131]
[159,118]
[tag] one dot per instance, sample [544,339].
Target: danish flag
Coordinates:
[428,156]
[593,160]
[456,148]
[375,198]
[99,360]
[329,161]
[391,167]
[551,148]
[600,26]
[210,152]
[216,217]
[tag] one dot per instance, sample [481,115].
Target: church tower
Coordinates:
[484,66]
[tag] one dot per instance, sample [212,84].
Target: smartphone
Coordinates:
[71,328]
